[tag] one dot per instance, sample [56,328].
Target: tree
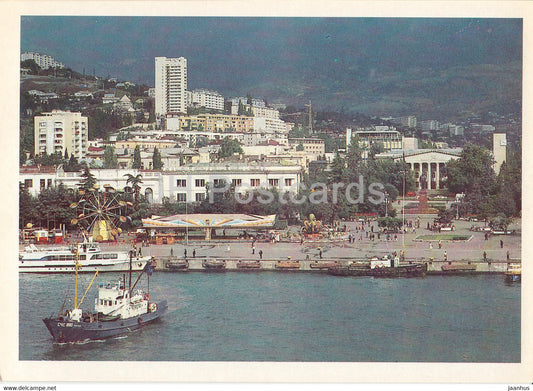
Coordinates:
[300,147]
[137,158]
[473,167]
[31,65]
[157,163]
[229,147]
[110,157]
[72,165]
[28,207]
[135,181]
[89,179]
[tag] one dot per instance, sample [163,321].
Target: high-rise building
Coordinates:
[170,85]
[58,131]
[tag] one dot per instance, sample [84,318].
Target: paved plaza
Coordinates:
[362,247]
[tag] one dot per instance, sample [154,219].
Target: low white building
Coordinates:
[185,184]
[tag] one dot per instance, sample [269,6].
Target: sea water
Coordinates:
[276,316]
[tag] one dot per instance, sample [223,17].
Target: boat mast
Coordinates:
[76,279]
[131,256]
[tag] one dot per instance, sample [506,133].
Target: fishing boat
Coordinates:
[117,310]
[177,265]
[380,268]
[214,265]
[90,257]
[514,272]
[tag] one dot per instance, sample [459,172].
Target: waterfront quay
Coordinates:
[483,255]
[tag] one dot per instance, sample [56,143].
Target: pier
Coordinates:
[435,267]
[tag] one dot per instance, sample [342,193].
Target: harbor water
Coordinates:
[273,316]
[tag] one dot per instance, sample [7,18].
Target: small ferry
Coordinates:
[90,257]
[117,310]
[385,267]
[514,272]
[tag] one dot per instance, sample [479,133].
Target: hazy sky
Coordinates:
[225,53]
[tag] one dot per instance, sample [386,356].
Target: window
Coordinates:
[218,182]
[200,182]
[49,184]
[273,182]
[288,181]
[255,182]
[43,183]
[200,197]
[28,183]
[181,197]
[181,183]
[236,182]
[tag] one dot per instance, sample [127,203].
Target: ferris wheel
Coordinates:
[100,213]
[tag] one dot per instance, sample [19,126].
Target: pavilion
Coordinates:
[207,222]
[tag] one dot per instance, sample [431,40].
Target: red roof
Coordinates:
[95,149]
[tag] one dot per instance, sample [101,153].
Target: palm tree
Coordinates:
[135,181]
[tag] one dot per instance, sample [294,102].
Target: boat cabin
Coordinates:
[114,300]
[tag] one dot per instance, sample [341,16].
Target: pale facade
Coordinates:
[187,184]
[205,98]
[429,165]
[58,131]
[170,85]
[217,123]
[43,60]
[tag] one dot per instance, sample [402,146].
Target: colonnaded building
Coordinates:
[188,184]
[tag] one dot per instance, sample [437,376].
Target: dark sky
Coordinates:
[229,53]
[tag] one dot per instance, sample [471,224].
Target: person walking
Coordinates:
[501,243]
[194,253]
[445,256]
[260,254]
[171,252]
[185,253]
[253,250]
[320,252]
[485,256]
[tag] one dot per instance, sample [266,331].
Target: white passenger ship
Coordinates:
[91,259]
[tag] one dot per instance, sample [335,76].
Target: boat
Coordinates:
[288,265]
[323,265]
[117,310]
[214,265]
[248,265]
[90,257]
[380,268]
[513,272]
[458,268]
[178,265]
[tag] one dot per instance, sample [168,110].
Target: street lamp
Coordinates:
[386,204]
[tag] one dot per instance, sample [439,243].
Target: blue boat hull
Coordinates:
[64,331]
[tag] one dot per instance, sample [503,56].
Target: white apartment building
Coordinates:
[271,125]
[43,60]
[170,85]
[205,98]
[58,131]
[186,184]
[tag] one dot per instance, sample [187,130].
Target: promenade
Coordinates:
[471,249]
